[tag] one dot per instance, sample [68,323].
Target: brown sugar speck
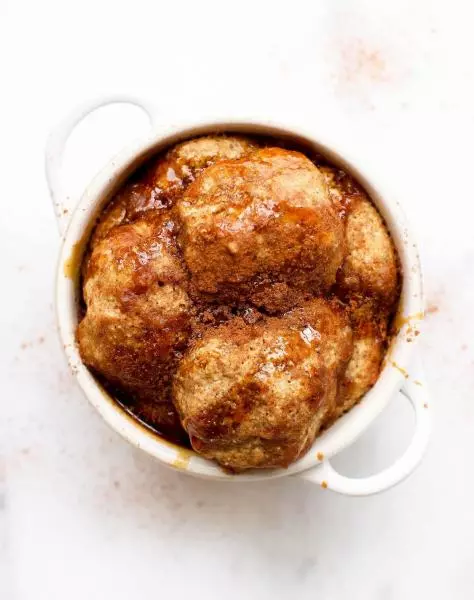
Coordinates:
[425,405]
[416,382]
[41,339]
[324,484]
[431,309]
[361,64]
[320,456]
[116,484]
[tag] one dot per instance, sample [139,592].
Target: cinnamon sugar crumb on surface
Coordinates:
[431,309]
[360,62]
[361,67]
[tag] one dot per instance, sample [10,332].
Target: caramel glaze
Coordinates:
[157,188]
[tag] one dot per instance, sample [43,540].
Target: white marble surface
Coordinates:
[82,514]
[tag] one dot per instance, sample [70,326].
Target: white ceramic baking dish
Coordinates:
[399,379]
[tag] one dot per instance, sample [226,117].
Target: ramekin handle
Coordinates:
[327,477]
[63,205]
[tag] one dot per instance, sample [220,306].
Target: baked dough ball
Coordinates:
[166,178]
[184,161]
[370,264]
[131,202]
[137,318]
[363,368]
[368,281]
[257,222]
[256,395]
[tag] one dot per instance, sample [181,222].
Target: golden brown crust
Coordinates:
[237,220]
[186,160]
